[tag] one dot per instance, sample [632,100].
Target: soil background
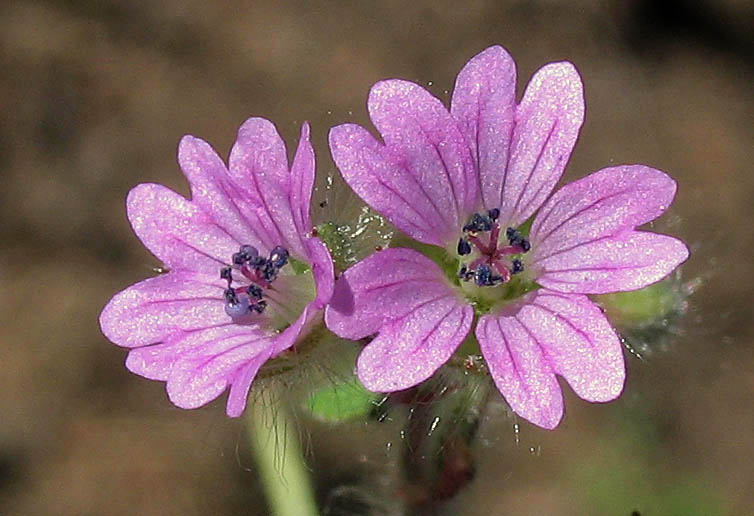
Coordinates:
[94,97]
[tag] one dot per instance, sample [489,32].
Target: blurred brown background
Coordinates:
[94,97]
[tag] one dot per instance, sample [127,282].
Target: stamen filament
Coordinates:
[490,267]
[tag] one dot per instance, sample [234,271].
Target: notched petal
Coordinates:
[484,105]
[176,231]
[151,310]
[203,373]
[383,182]
[520,369]
[385,286]
[548,333]
[602,204]
[579,343]
[627,261]
[408,350]
[548,121]
[259,166]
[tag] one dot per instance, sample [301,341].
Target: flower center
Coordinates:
[255,273]
[492,263]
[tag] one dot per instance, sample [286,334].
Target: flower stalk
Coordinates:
[443,420]
[282,470]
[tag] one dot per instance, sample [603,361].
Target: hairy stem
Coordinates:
[279,460]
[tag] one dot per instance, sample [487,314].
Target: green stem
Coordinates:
[279,460]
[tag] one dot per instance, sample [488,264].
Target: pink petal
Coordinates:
[383,182]
[201,375]
[385,286]
[578,342]
[418,128]
[408,350]
[600,205]
[302,182]
[214,191]
[322,270]
[520,369]
[177,232]
[149,311]
[324,280]
[239,389]
[259,167]
[544,334]
[547,124]
[156,361]
[627,261]
[153,362]
[423,179]
[484,104]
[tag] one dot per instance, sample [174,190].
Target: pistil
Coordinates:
[490,267]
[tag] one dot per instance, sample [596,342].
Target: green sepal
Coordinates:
[640,308]
[341,401]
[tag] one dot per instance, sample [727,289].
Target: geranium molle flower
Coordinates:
[466,181]
[245,277]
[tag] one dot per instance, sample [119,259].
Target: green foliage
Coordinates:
[641,307]
[341,401]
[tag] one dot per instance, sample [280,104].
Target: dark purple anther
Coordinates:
[246,253]
[269,271]
[249,251]
[463,247]
[493,214]
[247,299]
[279,257]
[518,266]
[483,275]
[230,296]
[478,223]
[239,258]
[465,274]
[255,292]
[516,238]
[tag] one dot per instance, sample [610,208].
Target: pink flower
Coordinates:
[464,181]
[246,280]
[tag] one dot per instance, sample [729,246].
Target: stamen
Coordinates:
[515,238]
[464,247]
[255,292]
[490,266]
[260,271]
[279,257]
[478,223]
[494,234]
[483,276]
[230,296]
[505,274]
